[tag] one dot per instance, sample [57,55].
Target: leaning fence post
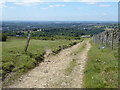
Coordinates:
[27,42]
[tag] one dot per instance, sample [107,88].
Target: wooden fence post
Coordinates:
[27,42]
[112,39]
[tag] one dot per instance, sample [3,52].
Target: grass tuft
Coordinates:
[71,66]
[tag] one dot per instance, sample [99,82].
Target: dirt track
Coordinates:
[52,72]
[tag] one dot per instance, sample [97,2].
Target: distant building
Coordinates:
[86,36]
[17,35]
[39,30]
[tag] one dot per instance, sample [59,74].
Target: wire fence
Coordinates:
[108,38]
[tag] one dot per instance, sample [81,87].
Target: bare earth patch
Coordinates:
[52,72]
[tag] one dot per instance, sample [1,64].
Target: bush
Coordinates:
[3,37]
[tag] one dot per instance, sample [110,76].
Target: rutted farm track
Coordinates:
[64,70]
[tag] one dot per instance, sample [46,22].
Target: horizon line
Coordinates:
[53,21]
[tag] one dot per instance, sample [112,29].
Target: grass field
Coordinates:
[102,68]
[16,61]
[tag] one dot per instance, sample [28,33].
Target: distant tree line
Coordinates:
[51,32]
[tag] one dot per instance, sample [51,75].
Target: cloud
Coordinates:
[104,5]
[51,6]
[99,5]
[2,4]
[61,0]
[62,5]
[11,0]
[66,0]
[37,2]
[25,3]
[91,3]
[57,5]
[22,0]
[90,0]
[28,3]
[11,7]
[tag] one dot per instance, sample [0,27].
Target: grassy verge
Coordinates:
[16,62]
[101,69]
[72,64]
[80,49]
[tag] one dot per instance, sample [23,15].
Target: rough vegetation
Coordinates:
[102,68]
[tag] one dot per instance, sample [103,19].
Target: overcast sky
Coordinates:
[65,10]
